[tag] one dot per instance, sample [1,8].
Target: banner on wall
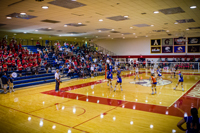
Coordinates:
[155,49]
[155,42]
[167,41]
[167,49]
[193,40]
[179,41]
[179,49]
[194,49]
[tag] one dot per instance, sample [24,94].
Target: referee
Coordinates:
[57,78]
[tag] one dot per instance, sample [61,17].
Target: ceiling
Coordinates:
[88,12]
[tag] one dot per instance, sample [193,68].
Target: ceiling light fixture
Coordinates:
[100,20]
[156,12]
[25,32]
[22,13]
[167,30]
[152,25]
[146,35]
[65,25]
[193,7]
[131,27]
[187,29]
[109,35]
[99,30]
[79,23]
[49,28]
[36,30]
[113,29]
[9,17]
[133,33]
[126,16]
[176,23]
[45,7]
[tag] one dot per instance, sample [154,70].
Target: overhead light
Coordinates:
[113,29]
[167,30]
[122,34]
[123,37]
[100,20]
[193,7]
[176,23]
[25,32]
[152,25]
[133,33]
[73,0]
[45,7]
[65,25]
[15,34]
[156,12]
[111,38]
[187,29]
[99,30]
[109,35]
[60,35]
[146,35]
[79,23]
[36,30]
[49,28]
[23,13]
[136,37]
[131,27]
[9,17]
[126,16]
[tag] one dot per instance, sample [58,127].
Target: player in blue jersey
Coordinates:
[109,77]
[119,79]
[192,122]
[159,73]
[180,80]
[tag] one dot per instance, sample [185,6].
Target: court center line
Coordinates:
[44,118]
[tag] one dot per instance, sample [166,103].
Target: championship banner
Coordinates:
[194,49]
[167,42]
[167,49]
[155,42]
[179,49]
[155,49]
[179,41]
[193,40]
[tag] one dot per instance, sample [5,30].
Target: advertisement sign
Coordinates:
[194,49]
[167,42]
[155,42]
[167,49]
[193,40]
[180,41]
[179,49]
[155,49]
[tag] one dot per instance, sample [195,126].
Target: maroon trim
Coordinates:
[156,56]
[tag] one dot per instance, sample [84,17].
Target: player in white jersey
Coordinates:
[152,72]
[159,70]
[173,71]
[137,72]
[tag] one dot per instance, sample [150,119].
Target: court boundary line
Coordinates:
[44,118]
[185,92]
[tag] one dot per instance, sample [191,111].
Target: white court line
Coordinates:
[184,93]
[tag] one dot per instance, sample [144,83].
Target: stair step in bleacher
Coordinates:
[33,79]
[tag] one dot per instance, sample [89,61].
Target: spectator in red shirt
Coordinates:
[34,55]
[5,51]
[18,60]
[11,45]
[1,51]
[13,63]
[46,57]
[35,68]
[13,51]
[5,57]
[23,61]
[16,46]
[19,51]
[15,55]
[34,60]
[9,63]
[20,45]
[20,67]
[10,55]
[39,60]
[5,67]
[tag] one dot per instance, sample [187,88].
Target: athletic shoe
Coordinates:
[114,90]
[108,84]
[134,78]
[174,88]
[182,89]
[5,92]
[155,92]
[13,90]
[10,91]
[121,90]
[152,93]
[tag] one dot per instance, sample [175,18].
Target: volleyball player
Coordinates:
[159,74]
[119,79]
[136,72]
[154,83]
[180,75]
[173,71]
[109,76]
[152,72]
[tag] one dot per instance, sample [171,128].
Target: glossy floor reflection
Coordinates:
[89,105]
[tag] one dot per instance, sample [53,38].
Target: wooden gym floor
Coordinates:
[89,105]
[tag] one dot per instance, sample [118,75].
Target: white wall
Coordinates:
[136,46]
